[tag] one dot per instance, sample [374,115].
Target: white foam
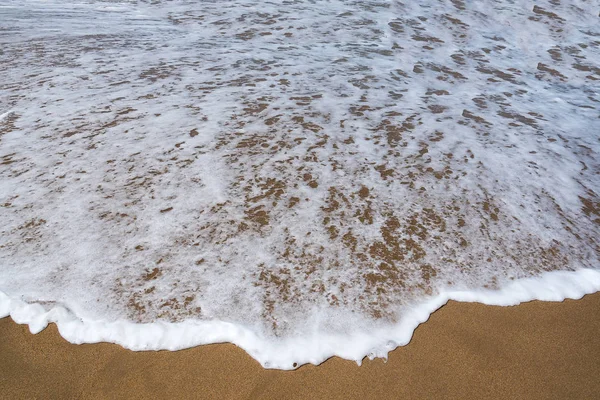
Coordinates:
[303,171]
[294,351]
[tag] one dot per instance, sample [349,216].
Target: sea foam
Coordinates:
[301,178]
[291,352]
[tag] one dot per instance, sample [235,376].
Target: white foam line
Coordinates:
[6,115]
[290,353]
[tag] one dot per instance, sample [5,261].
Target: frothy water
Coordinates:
[302,178]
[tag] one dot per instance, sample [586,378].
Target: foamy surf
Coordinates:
[293,352]
[306,179]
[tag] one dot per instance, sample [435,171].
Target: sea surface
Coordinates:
[302,178]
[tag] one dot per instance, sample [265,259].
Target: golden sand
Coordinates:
[537,350]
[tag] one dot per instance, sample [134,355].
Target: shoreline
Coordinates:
[295,351]
[465,350]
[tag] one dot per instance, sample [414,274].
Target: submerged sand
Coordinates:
[299,162]
[537,350]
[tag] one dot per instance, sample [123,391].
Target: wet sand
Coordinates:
[537,350]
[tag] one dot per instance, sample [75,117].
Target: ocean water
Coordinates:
[302,178]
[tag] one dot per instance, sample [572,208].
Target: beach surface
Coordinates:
[303,179]
[537,350]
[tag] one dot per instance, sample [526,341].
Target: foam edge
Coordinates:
[293,352]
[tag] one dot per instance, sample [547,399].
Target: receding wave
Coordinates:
[314,175]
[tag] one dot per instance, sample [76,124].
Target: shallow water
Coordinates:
[296,169]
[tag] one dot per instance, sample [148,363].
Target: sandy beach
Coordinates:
[304,179]
[537,350]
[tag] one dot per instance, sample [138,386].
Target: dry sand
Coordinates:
[536,350]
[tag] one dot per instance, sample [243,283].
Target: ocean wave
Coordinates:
[297,174]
